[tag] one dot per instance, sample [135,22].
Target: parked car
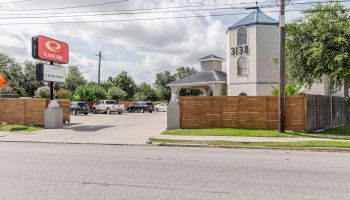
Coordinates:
[161,107]
[107,107]
[79,107]
[141,106]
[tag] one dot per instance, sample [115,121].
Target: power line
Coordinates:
[11,2]
[142,9]
[69,7]
[135,19]
[147,19]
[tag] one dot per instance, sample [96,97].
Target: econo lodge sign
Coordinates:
[48,49]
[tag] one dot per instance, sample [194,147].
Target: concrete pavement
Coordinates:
[88,172]
[128,128]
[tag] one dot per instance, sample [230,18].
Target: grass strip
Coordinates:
[16,127]
[303,144]
[333,133]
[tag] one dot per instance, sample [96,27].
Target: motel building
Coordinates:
[252,46]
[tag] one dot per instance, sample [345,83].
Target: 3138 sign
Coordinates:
[240,50]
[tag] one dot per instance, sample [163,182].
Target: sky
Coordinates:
[140,47]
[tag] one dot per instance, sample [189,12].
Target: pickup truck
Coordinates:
[108,107]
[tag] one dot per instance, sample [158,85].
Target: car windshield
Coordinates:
[81,104]
[110,102]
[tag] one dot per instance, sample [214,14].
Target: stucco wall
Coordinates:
[211,65]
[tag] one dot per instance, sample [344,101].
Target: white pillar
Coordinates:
[217,89]
[173,110]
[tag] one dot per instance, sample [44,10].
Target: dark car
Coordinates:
[79,107]
[141,106]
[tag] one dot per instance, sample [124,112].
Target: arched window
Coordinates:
[242,94]
[242,36]
[242,66]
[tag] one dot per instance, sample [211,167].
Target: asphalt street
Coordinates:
[34,171]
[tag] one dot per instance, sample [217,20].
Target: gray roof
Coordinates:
[211,57]
[257,17]
[202,77]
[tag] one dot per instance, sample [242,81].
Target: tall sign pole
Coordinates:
[99,68]
[51,86]
[282,63]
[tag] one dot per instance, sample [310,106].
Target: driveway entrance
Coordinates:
[128,128]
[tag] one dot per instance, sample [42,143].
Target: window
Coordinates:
[242,36]
[242,66]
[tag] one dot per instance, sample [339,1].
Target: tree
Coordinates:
[318,46]
[161,82]
[13,73]
[145,92]
[126,83]
[74,78]
[182,72]
[29,78]
[116,93]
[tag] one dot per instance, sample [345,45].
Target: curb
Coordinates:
[87,143]
[310,149]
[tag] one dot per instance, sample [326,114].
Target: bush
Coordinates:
[43,92]
[6,89]
[64,94]
[116,93]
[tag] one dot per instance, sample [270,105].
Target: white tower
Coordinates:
[252,46]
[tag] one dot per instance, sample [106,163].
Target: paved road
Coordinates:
[128,128]
[57,171]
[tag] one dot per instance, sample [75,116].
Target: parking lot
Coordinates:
[127,128]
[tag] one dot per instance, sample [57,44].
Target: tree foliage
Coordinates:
[116,93]
[145,92]
[64,94]
[90,92]
[74,78]
[318,45]
[13,73]
[182,72]
[43,92]
[161,82]
[126,83]
[30,79]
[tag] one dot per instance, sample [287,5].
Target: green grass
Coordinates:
[305,144]
[15,127]
[333,133]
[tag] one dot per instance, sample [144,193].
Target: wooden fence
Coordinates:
[249,112]
[29,111]
[303,113]
[325,112]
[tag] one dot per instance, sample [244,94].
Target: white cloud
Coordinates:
[142,48]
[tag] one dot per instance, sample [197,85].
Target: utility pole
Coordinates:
[99,68]
[282,62]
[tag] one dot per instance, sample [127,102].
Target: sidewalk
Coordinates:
[243,139]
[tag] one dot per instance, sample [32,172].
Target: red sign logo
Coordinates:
[49,49]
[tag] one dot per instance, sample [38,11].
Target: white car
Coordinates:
[161,108]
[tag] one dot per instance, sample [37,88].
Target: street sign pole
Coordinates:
[51,86]
[282,63]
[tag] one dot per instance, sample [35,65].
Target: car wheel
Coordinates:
[74,112]
[86,113]
[157,109]
[150,111]
[142,110]
[119,113]
[94,110]
[138,110]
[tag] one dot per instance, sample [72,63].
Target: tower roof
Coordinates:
[211,57]
[257,17]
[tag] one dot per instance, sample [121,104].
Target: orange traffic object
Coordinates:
[2,80]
